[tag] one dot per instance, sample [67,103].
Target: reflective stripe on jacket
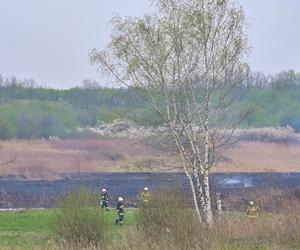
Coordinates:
[145,196]
[252,211]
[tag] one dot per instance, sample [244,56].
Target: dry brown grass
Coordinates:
[261,157]
[169,223]
[48,159]
[269,232]
[269,134]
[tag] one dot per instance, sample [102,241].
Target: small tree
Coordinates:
[187,58]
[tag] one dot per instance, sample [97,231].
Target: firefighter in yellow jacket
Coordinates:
[145,196]
[252,210]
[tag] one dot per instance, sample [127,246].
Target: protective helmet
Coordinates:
[146,189]
[103,190]
[120,199]
[251,203]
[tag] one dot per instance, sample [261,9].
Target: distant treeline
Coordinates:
[30,111]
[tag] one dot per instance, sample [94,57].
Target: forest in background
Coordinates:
[30,111]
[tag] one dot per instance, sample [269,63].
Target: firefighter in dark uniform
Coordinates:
[120,211]
[104,199]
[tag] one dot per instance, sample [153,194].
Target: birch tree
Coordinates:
[187,58]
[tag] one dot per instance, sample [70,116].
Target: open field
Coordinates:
[252,157]
[169,222]
[32,230]
[47,159]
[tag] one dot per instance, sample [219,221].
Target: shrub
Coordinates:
[79,221]
[169,216]
[141,116]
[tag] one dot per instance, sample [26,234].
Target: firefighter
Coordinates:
[252,210]
[145,196]
[120,211]
[104,199]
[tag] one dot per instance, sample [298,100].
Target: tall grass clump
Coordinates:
[78,220]
[169,222]
[169,217]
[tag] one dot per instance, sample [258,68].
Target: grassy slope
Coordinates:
[32,228]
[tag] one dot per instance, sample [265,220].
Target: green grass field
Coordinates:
[31,229]
[25,229]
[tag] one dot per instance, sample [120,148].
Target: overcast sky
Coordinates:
[50,40]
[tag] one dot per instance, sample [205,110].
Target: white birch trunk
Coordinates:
[219,205]
[196,205]
[207,207]
[199,191]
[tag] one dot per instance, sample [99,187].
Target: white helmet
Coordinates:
[104,190]
[146,189]
[120,199]
[251,203]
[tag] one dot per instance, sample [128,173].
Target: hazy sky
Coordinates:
[50,40]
